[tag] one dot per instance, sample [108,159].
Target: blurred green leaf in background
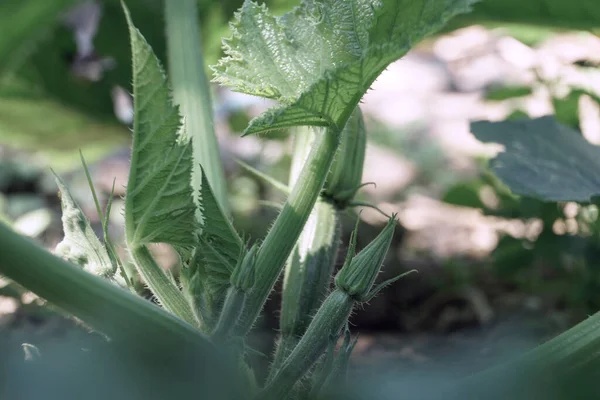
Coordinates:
[57,95]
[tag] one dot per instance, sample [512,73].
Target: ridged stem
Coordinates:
[288,226]
[114,311]
[191,91]
[162,286]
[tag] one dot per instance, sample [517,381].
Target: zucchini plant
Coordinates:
[316,61]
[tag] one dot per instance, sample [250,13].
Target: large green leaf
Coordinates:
[320,58]
[159,205]
[543,159]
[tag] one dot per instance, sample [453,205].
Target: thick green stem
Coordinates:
[288,226]
[308,270]
[100,304]
[162,286]
[192,92]
[327,323]
[304,138]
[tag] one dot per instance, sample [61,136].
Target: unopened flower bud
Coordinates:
[345,175]
[359,272]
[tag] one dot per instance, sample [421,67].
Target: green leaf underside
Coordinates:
[218,251]
[159,205]
[320,58]
[80,245]
[543,159]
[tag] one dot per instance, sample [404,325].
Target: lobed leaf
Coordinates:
[320,58]
[80,245]
[543,159]
[159,205]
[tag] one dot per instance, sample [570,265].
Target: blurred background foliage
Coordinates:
[39,78]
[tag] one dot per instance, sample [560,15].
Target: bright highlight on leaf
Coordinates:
[320,58]
[543,159]
[159,205]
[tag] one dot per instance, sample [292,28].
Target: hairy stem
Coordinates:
[162,286]
[307,277]
[288,226]
[192,92]
[308,270]
[230,313]
[327,323]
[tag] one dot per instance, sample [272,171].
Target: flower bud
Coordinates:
[359,272]
[345,174]
[242,277]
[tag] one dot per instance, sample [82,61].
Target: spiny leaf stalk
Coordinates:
[327,323]
[309,268]
[281,239]
[307,277]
